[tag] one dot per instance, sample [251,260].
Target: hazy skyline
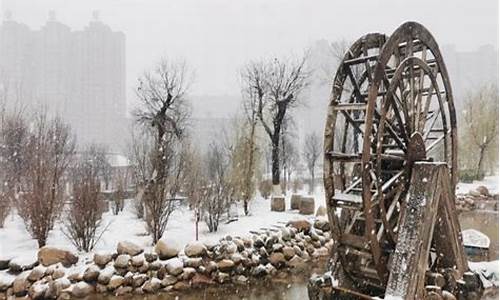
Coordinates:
[216,37]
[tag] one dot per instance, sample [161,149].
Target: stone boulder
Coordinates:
[174,266]
[20,286]
[82,289]
[122,261]
[482,190]
[91,273]
[195,249]
[225,265]
[115,282]
[295,201]
[306,206]
[277,203]
[126,247]
[152,285]
[49,255]
[102,259]
[166,250]
[300,225]
[277,259]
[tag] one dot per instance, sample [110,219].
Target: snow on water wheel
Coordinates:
[391,106]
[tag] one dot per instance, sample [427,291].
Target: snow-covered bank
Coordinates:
[15,241]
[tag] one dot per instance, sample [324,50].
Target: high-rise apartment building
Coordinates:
[79,75]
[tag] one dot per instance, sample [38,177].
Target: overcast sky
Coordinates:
[217,36]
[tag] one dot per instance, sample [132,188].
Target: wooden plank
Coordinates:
[407,274]
[349,106]
[359,60]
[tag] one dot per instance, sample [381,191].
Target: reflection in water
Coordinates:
[289,286]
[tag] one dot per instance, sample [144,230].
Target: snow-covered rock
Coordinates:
[49,255]
[126,247]
[195,249]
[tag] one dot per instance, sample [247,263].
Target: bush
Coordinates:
[265,188]
[469,175]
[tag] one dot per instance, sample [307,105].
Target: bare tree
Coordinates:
[13,138]
[118,195]
[164,109]
[311,153]
[83,215]
[480,122]
[276,85]
[49,150]
[217,189]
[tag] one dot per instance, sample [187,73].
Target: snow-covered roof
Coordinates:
[475,238]
[117,160]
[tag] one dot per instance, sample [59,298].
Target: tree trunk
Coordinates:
[276,166]
[311,186]
[482,149]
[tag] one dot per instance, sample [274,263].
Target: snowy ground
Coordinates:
[491,182]
[16,242]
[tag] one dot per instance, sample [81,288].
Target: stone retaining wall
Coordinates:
[167,268]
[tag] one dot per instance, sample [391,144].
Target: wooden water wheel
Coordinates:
[391,106]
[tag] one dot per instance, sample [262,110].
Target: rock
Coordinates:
[322,224]
[259,271]
[448,296]
[288,252]
[295,201]
[138,280]
[22,263]
[82,289]
[236,258]
[270,269]
[152,285]
[301,225]
[306,206]
[20,286]
[169,280]
[222,277]
[156,265]
[105,275]
[126,247]
[150,257]
[115,282]
[55,287]
[297,263]
[4,263]
[137,261]
[258,242]
[166,249]
[195,249]
[58,273]
[241,279]
[482,190]
[193,262]
[37,290]
[91,273]
[102,259]
[37,273]
[200,280]
[277,247]
[277,259]
[187,273]
[122,261]
[321,211]
[231,248]
[321,252]
[100,288]
[277,203]
[6,282]
[174,266]
[124,290]
[75,277]
[211,266]
[225,265]
[181,286]
[48,256]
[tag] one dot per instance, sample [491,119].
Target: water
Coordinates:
[487,223]
[289,286]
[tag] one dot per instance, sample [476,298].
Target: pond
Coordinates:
[292,287]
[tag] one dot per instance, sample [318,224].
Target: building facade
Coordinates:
[79,75]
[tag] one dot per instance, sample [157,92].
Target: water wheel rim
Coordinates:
[406,33]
